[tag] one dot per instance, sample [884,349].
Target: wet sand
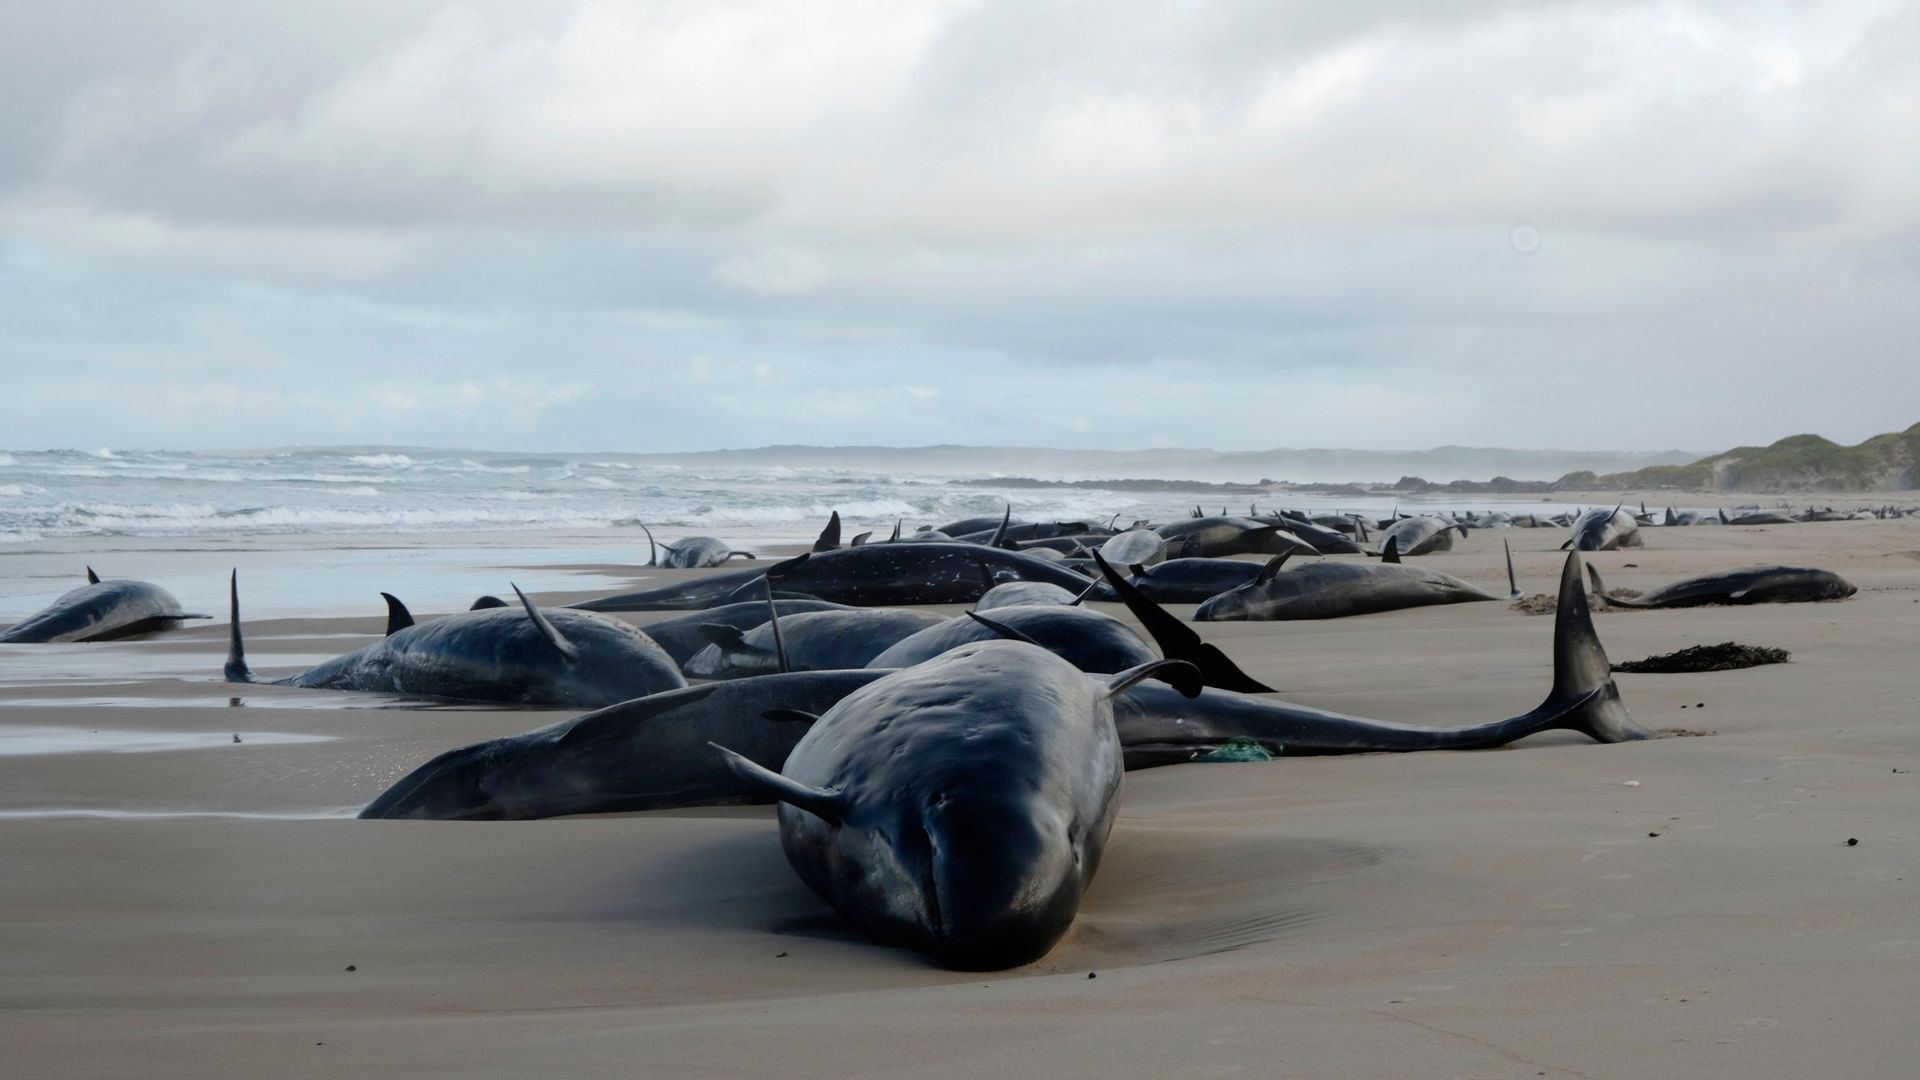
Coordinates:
[1684,907]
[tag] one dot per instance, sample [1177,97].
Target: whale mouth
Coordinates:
[930,887]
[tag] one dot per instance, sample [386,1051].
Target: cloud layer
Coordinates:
[670,226]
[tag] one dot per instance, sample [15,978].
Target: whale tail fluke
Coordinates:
[236,670]
[1177,640]
[1584,697]
[830,536]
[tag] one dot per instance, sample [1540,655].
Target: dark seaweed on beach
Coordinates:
[1726,656]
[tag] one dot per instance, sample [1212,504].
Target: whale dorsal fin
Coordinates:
[554,637]
[1002,629]
[1273,567]
[398,617]
[895,538]
[1391,553]
[860,539]
[828,806]
[486,602]
[830,536]
[92,578]
[1513,583]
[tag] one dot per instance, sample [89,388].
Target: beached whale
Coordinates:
[646,754]
[512,656]
[1090,640]
[1333,590]
[1185,581]
[1214,537]
[100,611]
[1157,728]
[887,575]
[1421,535]
[1142,546]
[811,641]
[1016,593]
[651,753]
[1747,585]
[958,808]
[683,637]
[691,553]
[1604,530]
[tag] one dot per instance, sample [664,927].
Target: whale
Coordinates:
[1016,593]
[522,656]
[691,553]
[649,753]
[1421,535]
[704,591]
[1142,546]
[1604,530]
[1333,590]
[1746,585]
[1160,729]
[1213,537]
[809,641]
[646,754]
[958,808]
[100,611]
[1185,581]
[891,575]
[682,637]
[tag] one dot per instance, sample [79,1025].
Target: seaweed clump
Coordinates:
[1726,656]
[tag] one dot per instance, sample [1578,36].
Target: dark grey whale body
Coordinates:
[683,637]
[513,656]
[1747,585]
[809,641]
[1604,530]
[1332,590]
[1214,537]
[647,754]
[100,611]
[958,808]
[1092,641]
[1186,581]
[707,591]
[887,575]
[1161,729]
[1421,535]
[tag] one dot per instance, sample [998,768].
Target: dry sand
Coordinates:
[1684,907]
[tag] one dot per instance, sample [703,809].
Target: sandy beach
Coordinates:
[1738,899]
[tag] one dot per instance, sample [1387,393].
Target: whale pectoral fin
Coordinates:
[1177,640]
[1086,592]
[789,716]
[398,617]
[92,578]
[486,602]
[1179,674]
[1002,629]
[553,635]
[741,555]
[1513,583]
[828,806]
[830,536]
[729,639]
[189,615]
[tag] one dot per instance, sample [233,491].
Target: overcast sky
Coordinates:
[659,226]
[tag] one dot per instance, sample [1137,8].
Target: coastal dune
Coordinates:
[1689,906]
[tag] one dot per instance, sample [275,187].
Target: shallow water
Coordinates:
[25,741]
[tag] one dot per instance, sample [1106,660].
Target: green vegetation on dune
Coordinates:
[1889,462]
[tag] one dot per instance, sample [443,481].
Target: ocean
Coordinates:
[67,494]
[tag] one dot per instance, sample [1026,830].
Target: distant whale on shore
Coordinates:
[101,611]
